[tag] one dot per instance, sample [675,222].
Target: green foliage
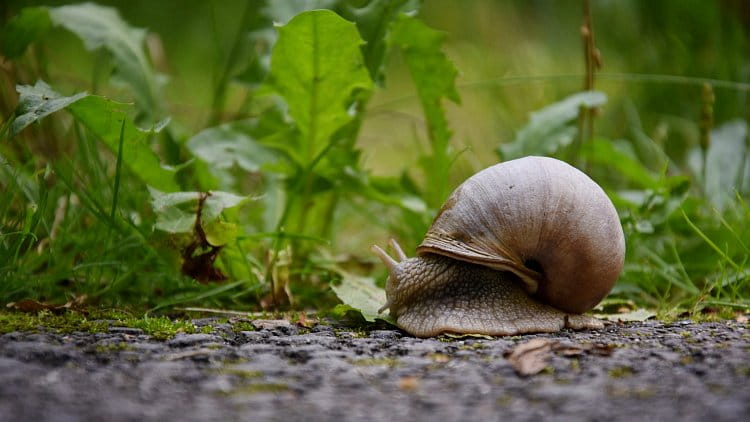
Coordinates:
[105,119]
[38,102]
[551,129]
[361,294]
[102,27]
[28,26]
[434,77]
[316,67]
[291,146]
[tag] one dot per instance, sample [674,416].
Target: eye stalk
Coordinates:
[390,263]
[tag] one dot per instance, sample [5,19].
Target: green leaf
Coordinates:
[217,202]
[361,294]
[220,233]
[725,162]
[229,145]
[606,153]
[31,24]
[434,76]
[102,27]
[316,66]
[433,73]
[37,102]
[104,118]
[373,19]
[551,128]
[176,212]
[281,12]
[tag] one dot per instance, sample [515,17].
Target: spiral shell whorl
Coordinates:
[540,218]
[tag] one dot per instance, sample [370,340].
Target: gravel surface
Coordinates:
[637,371]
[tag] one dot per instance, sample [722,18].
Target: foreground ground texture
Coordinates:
[645,371]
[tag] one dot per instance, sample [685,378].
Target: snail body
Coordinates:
[523,246]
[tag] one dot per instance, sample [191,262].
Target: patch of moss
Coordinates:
[389,362]
[258,388]
[620,372]
[63,322]
[638,393]
[242,325]
[160,328]
[472,346]
[112,347]
[93,321]
[241,373]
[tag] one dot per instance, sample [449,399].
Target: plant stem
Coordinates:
[592,62]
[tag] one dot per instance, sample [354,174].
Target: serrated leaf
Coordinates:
[362,294]
[228,145]
[39,101]
[102,27]
[434,77]
[551,128]
[217,202]
[28,26]
[103,117]
[316,66]
[433,73]
[176,212]
[373,19]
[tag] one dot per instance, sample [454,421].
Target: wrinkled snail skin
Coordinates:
[523,246]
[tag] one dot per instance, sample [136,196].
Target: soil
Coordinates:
[645,371]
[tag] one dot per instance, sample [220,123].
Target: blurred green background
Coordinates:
[513,57]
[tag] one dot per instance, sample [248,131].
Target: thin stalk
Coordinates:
[710,243]
[221,83]
[706,124]
[118,173]
[592,63]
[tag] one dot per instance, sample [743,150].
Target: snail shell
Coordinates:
[517,245]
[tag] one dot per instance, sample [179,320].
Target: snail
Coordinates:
[523,246]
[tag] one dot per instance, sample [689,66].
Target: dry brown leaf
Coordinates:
[29,305]
[408,383]
[306,322]
[531,357]
[570,350]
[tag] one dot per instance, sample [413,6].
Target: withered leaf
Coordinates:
[531,357]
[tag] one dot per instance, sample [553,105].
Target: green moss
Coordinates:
[390,362]
[258,388]
[65,322]
[620,372]
[243,325]
[160,328]
[472,346]
[112,347]
[241,373]
[92,321]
